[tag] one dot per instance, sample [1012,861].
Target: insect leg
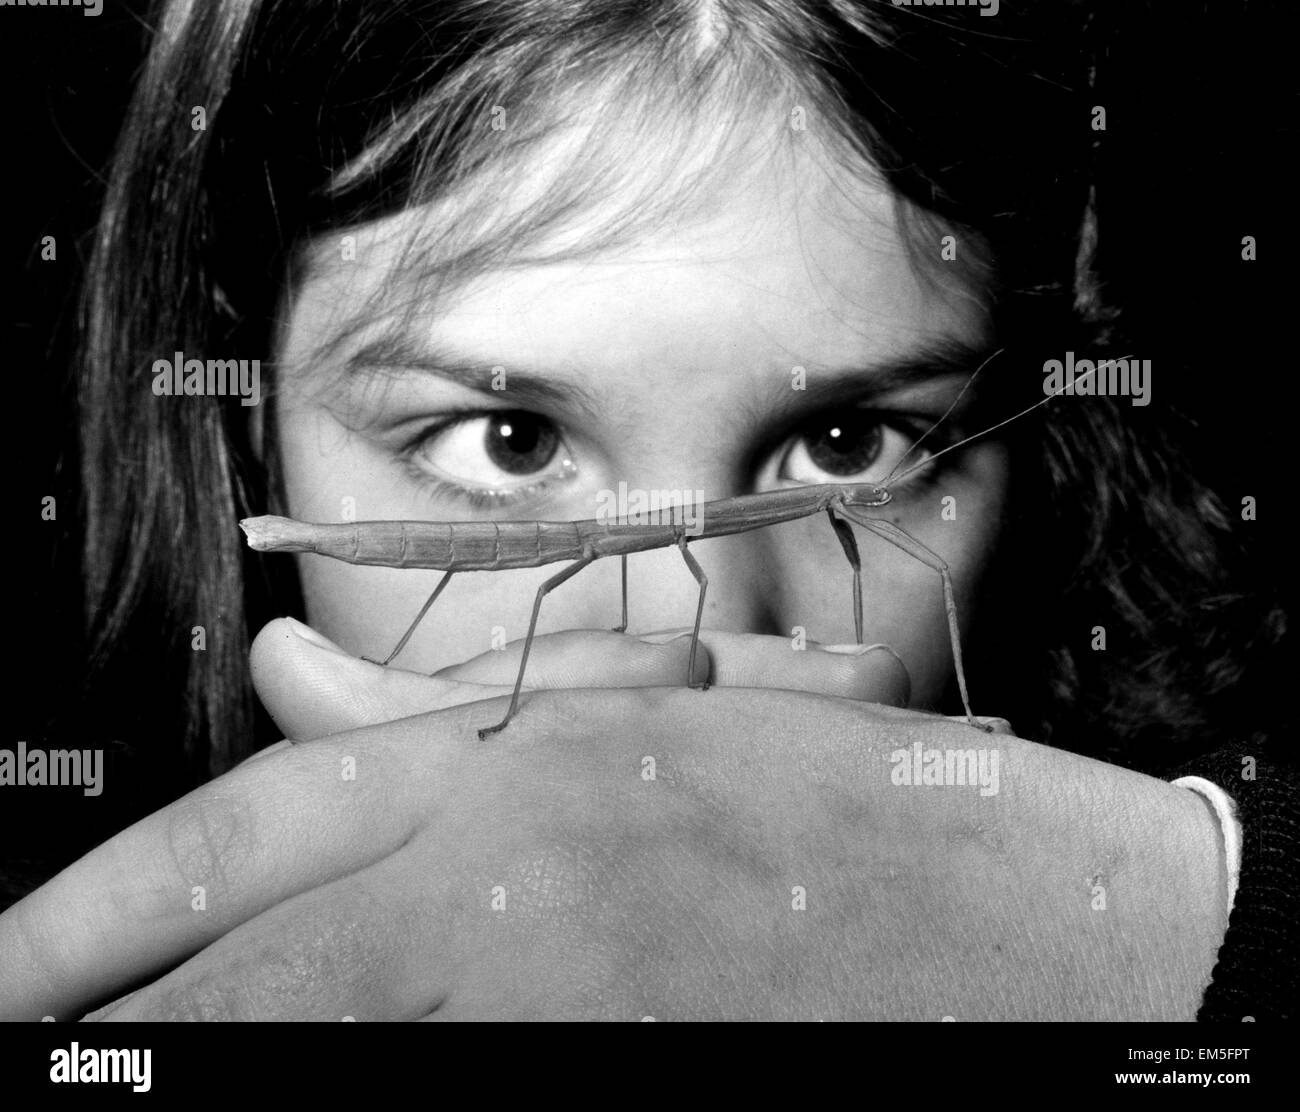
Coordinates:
[703,581]
[622,626]
[418,619]
[900,538]
[844,531]
[542,591]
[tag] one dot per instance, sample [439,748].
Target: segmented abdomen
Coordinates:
[447,546]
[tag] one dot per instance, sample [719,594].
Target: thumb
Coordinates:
[312,688]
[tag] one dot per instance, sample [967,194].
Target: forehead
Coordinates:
[785,257]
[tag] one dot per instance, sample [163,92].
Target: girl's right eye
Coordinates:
[500,453]
[854,446]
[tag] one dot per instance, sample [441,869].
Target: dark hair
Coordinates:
[324,116]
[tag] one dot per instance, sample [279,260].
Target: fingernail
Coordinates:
[862,650]
[903,697]
[661,638]
[312,637]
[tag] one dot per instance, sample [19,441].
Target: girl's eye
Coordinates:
[842,448]
[494,451]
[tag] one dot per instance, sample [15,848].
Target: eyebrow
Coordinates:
[948,358]
[400,351]
[862,385]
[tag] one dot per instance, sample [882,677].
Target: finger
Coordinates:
[189,873]
[336,952]
[867,673]
[588,658]
[312,688]
[660,636]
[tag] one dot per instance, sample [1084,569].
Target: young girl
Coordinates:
[491,262]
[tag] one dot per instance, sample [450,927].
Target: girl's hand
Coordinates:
[312,688]
[772,866]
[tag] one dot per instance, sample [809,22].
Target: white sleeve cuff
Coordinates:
[1226,812]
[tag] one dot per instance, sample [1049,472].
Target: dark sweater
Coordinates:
[1257,973]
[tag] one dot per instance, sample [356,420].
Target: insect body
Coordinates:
[503,545]
[498,546]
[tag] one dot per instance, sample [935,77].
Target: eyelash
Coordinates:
[913,427]
[480,499]
[476,498]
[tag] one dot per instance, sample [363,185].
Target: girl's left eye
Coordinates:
[496,453]
[841,448]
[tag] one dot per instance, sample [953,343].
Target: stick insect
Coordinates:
[453,547]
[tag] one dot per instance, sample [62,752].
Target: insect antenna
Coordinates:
[900,475]
[946,414]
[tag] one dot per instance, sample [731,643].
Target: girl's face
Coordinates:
[673,365]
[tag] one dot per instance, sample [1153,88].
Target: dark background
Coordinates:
[1198,152]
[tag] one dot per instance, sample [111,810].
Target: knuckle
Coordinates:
[297,969]
[202,998]
[211,838]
